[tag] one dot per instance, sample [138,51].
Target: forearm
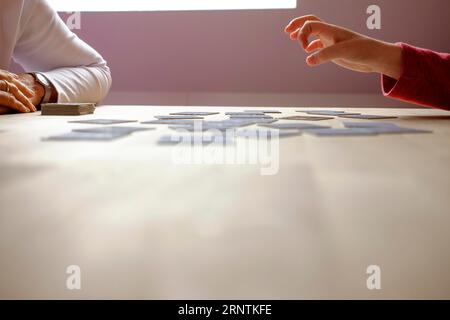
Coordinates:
[389,60]
[81,84]
[76,70]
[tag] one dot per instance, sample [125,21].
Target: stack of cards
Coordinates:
[67,109]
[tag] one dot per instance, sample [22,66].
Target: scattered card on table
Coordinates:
[396,130]
[369,124]
[383,127]
[262,120]
[342,132]
[250,116]
[366,117]
[102,121]
[86,136]
[113,129]
[256,113]
[229,123]
[298,126]
[324,112]
[178,117]
[185,139]
[333,114]
[306,118]
[267,134]
[171,121]
[262,111]
[194,113]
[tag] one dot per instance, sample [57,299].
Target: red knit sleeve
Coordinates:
[425,79]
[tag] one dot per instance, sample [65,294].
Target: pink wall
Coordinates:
[246,51]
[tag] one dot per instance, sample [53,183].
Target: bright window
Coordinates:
[168,5]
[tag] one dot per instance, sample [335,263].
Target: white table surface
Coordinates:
[142,227]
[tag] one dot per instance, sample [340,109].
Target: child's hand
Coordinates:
[344,47]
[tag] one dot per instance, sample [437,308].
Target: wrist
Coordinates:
[45,89]
[390,62]
[37,88]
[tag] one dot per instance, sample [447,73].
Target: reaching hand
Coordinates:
[344,47]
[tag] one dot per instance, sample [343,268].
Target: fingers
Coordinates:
[13,78]
[12,88]
[23,88]
[314,46]
[7,75]
[21,97]
[297,23]
[9,100]
[316,28]
[327,54]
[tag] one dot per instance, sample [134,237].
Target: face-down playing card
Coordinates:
[179,117]
[113,130]
[262,111]
[333,132]
[193,139]
[306,118]
[86,136]
[365,116]
[173,121]
[384,127]
[194,113]
[295,125]
[102,121]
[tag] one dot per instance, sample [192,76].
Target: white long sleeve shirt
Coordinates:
[33,34]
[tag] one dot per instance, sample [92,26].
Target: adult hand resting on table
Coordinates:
[15,95]
[60,66]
